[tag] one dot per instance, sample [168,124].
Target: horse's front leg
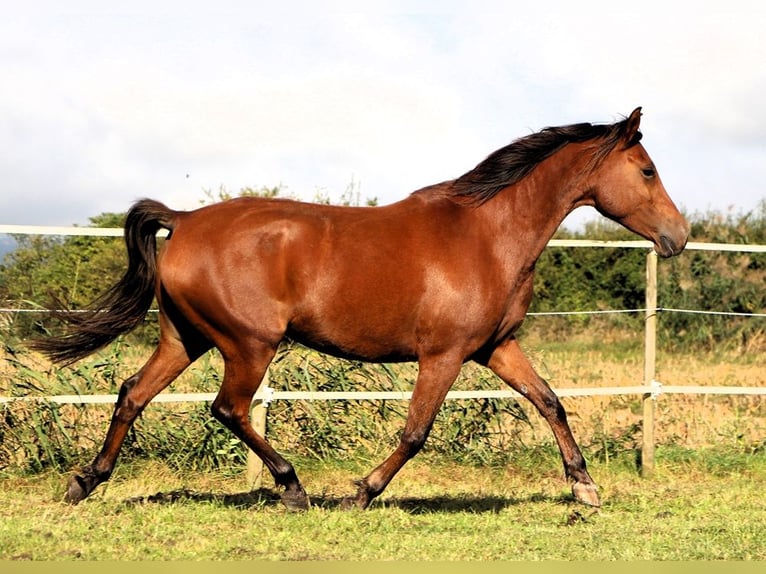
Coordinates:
[510,364]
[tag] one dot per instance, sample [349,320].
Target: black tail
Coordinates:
[125,304]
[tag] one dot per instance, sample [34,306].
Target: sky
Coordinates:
[104,103]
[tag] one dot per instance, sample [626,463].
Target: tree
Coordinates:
[73,270]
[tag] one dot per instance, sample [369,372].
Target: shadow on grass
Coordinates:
[256,498]
[470,504]
[414,505]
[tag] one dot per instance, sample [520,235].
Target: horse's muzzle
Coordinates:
[670,244]
[667,247]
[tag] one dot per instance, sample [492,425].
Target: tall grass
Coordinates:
[36,434]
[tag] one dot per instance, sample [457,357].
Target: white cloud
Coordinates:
[105,108]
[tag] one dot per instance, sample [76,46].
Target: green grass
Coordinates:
[698,506]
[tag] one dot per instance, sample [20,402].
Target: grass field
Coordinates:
[698,506]
[704,502]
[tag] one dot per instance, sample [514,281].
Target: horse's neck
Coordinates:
[529,213]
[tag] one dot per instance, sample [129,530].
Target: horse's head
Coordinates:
[627,189]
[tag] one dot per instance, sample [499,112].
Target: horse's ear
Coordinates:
[631,134]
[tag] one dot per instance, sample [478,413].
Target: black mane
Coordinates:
[510,164]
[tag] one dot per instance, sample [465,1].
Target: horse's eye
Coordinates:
[648,172]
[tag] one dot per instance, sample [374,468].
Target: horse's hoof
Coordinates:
[352,503]
[76,490]
[359,502]
[586,493]
[295,500]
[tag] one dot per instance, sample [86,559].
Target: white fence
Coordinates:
[650,389]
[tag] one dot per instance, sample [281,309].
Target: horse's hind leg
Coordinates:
[243,371]
[168,361]
[435,377]
[510,364]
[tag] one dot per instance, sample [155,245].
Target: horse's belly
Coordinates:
[358,335]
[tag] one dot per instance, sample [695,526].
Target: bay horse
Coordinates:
[441,277]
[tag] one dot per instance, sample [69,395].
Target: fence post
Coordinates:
[650,354]
[258,420]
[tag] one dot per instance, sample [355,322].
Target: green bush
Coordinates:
[580,279]
[717,281]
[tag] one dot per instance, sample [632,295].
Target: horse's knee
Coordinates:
[550,406]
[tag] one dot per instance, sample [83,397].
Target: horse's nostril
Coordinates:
[668,246]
